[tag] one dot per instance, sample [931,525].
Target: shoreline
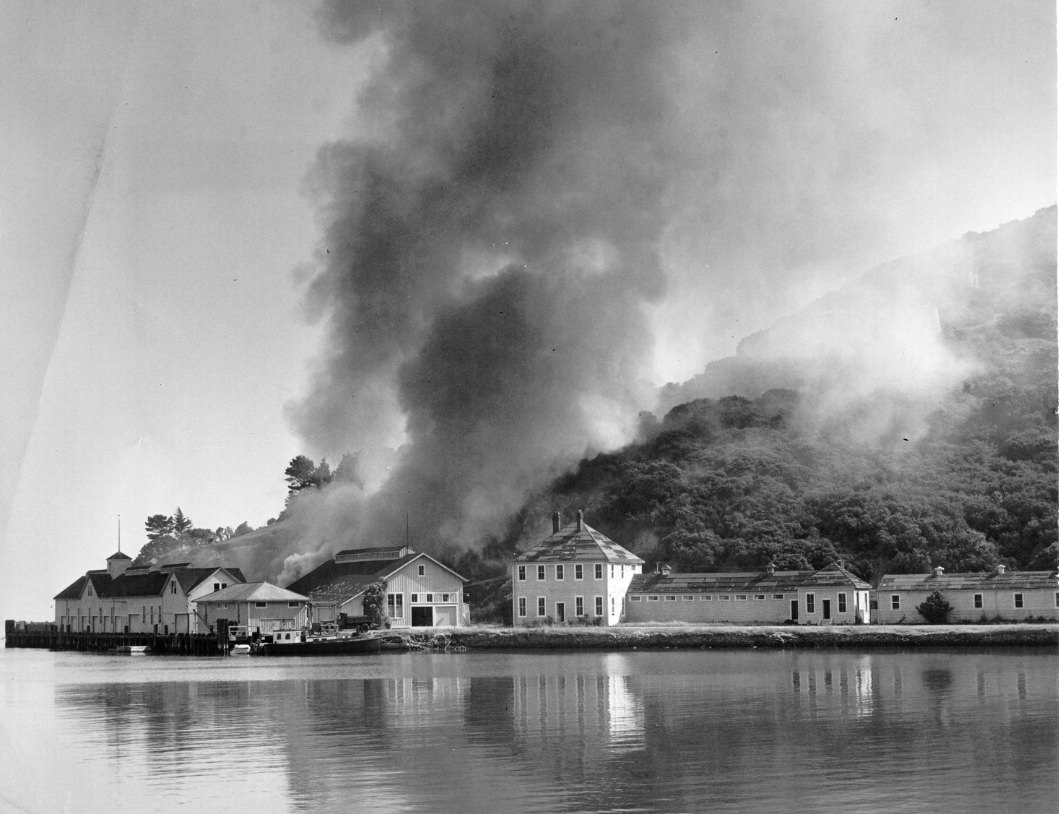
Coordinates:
[737,636]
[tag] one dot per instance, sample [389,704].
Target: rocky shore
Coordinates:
[731,636]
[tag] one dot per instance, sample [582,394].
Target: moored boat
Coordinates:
[297,643]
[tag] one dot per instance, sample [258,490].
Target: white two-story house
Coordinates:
[574,574]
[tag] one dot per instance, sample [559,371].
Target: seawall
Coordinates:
[729,636]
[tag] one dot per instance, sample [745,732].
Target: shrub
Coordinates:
[935,609]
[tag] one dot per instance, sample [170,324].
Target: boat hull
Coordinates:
[323,647]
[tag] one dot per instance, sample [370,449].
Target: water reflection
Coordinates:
[583,732]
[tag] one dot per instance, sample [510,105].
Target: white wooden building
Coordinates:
[123,598]
[574,574]
[420,591]
[1011,596]
[260,606]
[828,596]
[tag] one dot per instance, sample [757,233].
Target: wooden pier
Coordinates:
[49,637]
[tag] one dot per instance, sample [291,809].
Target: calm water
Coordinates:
[718,731]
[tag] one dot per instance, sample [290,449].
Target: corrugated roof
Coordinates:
[986,580]
[578,542]
[832,575]
[254,592]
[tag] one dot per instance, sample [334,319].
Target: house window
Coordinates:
[540,573]
[895,601]
[143,614]
[446,597]
[724,598]
[810,603]
[652,599]
[612,572]
[172,587]
[599,605]
[671,599]
[395,605]
[841,603]
[430,597]
[541,610]
[598,568]
[415,597]
[759,596]
[216,586]
[89,590]
[741,597]
[1057,599]
[522,573]
[422,571]
[635,598]
[558,572]
[1018,600]
[978,600]
[706,598]
[293,603]
[777,596]
[579,571]
[689,598]
[222,605]
[522,606]
[579,606]
[261,604]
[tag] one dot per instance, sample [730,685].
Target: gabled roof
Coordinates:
[578,542]
[253,592]
[191,577]
[975,581]
[341,581]
[137,582]
[833,575]
[150,584]
[118,556]
[73,591]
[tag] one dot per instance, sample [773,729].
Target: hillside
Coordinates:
[908,419]
[905,420]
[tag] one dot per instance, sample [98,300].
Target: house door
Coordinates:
[422,616]
[560,611]
[794,610]
[827,608]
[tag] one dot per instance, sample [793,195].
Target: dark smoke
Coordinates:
[490,249]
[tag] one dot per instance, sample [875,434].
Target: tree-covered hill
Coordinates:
[905,421]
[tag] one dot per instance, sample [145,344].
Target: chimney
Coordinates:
[939,571]
[557,522]
[1000,569]
[580,520]
[770,569]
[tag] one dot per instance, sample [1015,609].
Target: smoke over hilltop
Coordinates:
[530,184]
[489,252]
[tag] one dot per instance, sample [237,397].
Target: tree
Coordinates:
[935,609]
[181,522]
[242,528]
[300,473]
[158,525]
[375,604]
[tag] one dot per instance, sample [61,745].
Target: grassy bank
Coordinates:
[659,637]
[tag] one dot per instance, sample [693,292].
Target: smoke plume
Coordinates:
[489,250]
[529,180]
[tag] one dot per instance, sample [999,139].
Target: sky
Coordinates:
[233,233]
